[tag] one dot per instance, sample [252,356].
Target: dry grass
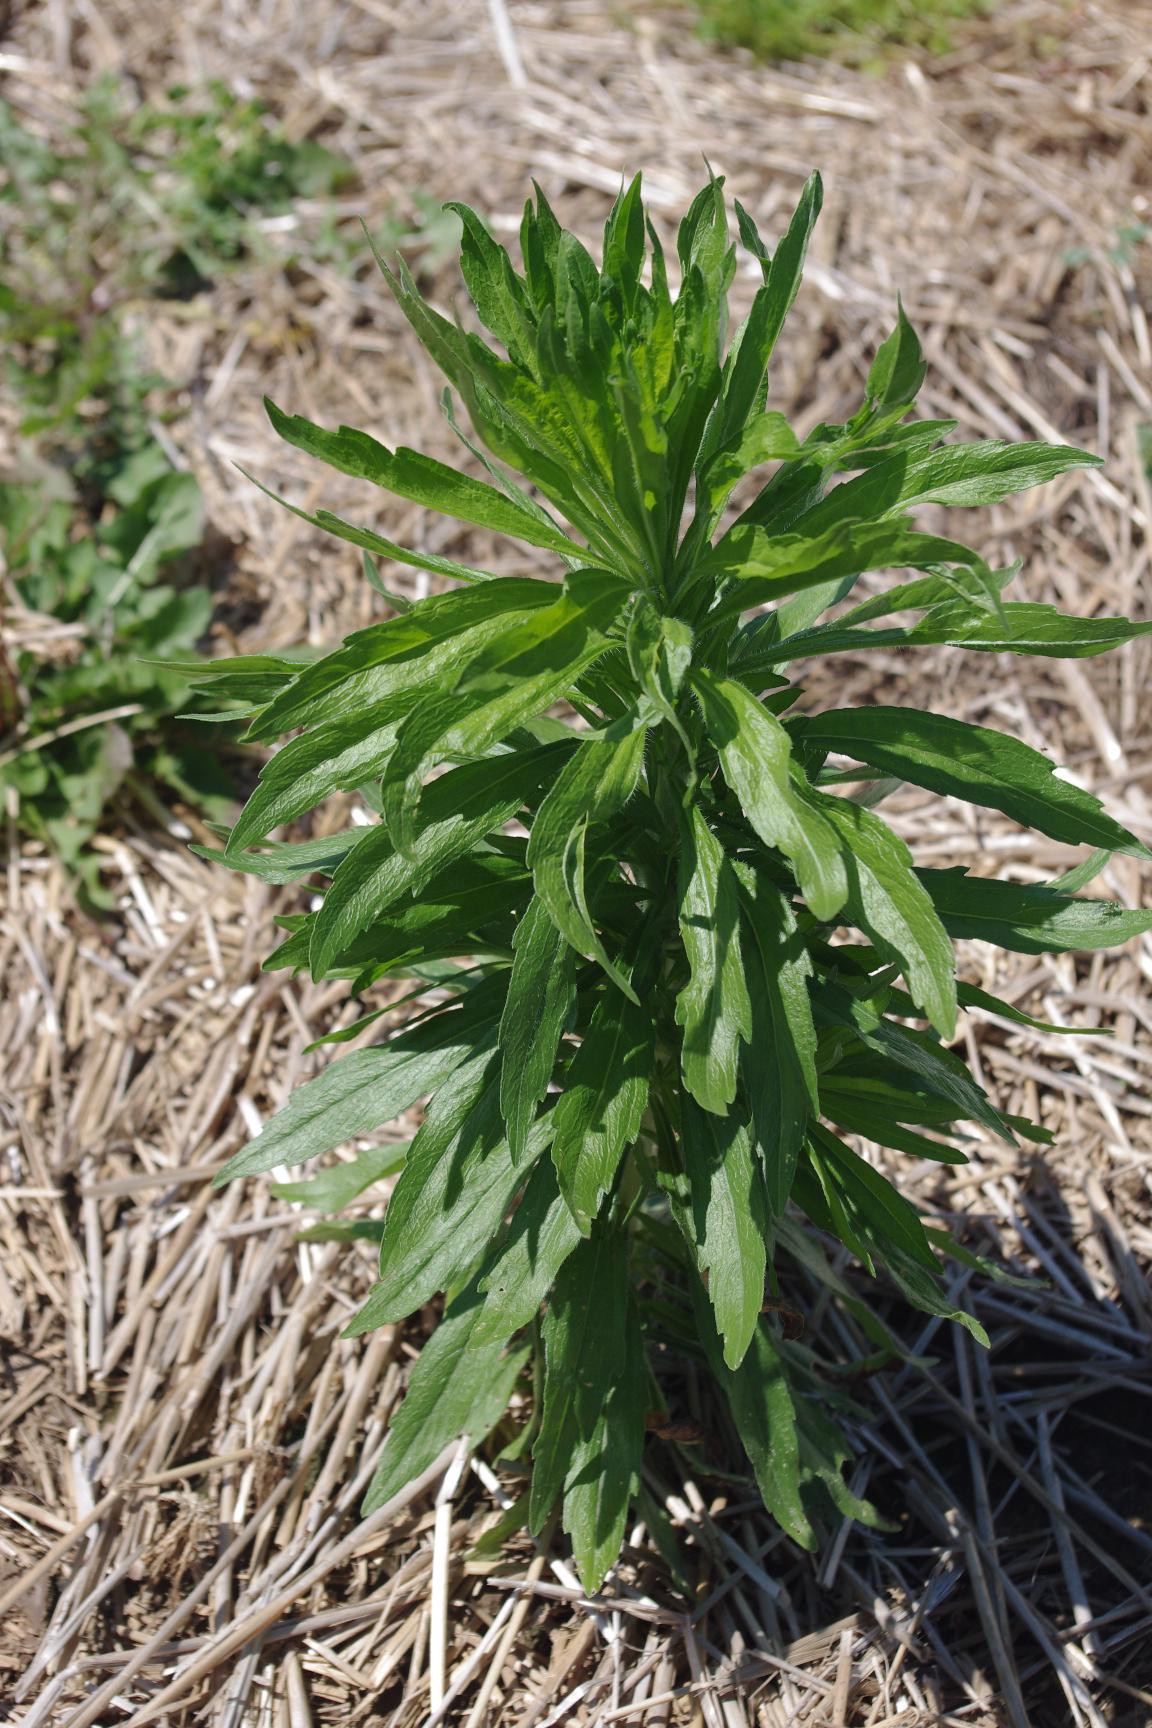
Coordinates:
[183,1437]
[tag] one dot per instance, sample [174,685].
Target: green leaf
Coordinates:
[337,757]
[541,994]
[713,1007]
[590,789]
[899,368]
[918,1057]
[457,1387]
[783,269]
[1026,628]
[501,686]
[605,1471]
[457,1183]
[333,1189]
[602,1105]
[401,654]
[974,763]
[289,861]
[659,656]
[980,473]
[459,810]
[497,292]
[844,1107]
[540,1238]
[1020,628]
[779,1062]
[420,478]
[877,1212]
[766,567]
[716,1192]
[764,1410]
[1028,918]
[373,544]
[925,1292]
[971,996]
[889,903]
[354,1095]
[589,1370]
[755,755]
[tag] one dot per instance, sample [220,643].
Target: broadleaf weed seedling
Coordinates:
[672,962]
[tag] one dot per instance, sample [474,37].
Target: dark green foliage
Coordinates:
[672,954]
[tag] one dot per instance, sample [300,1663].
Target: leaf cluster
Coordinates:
[668,960]
[99,602]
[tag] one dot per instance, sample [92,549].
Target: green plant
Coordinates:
[132,200]
[669,963]
[839,29]
[84,715]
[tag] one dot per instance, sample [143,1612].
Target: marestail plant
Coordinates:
[666,959]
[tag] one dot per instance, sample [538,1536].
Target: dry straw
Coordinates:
[183,1439]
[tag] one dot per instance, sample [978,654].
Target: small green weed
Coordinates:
[129,204]
[857,30]
[85,715]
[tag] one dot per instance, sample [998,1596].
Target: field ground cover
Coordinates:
[183,1437]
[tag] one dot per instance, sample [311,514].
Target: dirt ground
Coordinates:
[184,1438]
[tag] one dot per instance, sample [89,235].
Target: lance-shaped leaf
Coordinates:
[888,901]
[847,1110]
[289,860]
[505,683]
[598,781]
[779,1063]
[899,369]
[541,992]
[919,1058]
[333,758]
[602,1105]
[763,567]
[766,438]
[457,1387]
[755,756]
[400,654]
[1028,918]
[595,1386]
[457,1183]
[1019,627]
[497,292]
[378,545]
[540,1238]
[882,1218]
[410,474]
[763,1408]
[357,1093]
[973,763]
[955,474]
[659,657]
[459,810]
[713,1007]
[716,1191]
[605,1469]
[783,269]
[332,1189]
